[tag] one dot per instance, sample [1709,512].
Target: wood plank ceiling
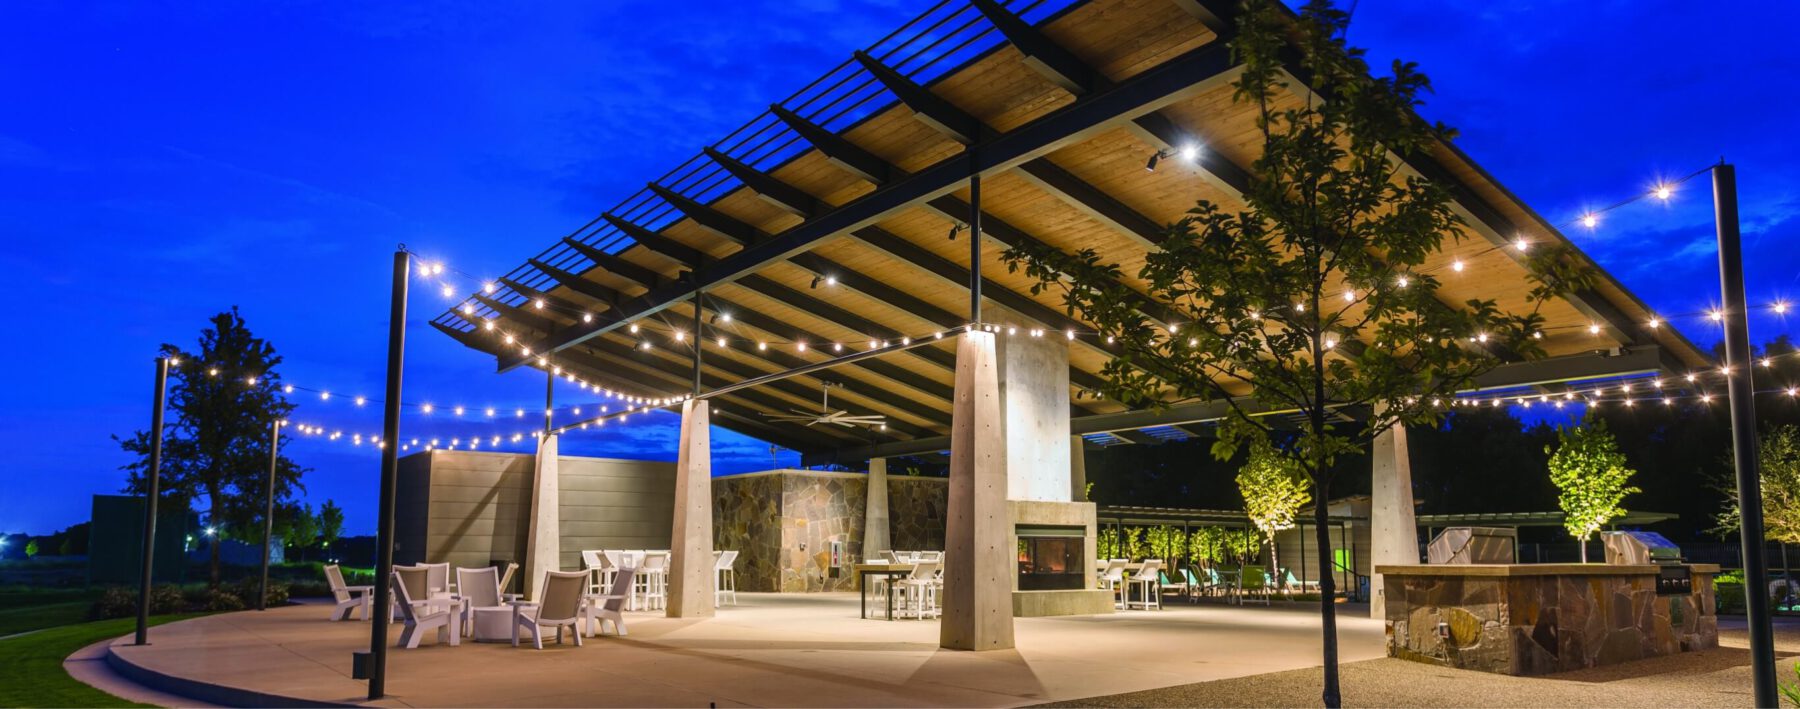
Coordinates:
[967,74]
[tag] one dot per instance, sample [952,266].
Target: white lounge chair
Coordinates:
[423,615]
[601,608]
[558,607]
[655,579]
[1113,579]
[349,598]
[437,578]
[1147,583]
[479,588]
[506,578]
[724,577]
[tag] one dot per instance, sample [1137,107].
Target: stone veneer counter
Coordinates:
[1531,619]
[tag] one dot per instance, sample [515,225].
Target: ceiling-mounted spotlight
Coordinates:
[956,229]
[1155,158]
[815,282]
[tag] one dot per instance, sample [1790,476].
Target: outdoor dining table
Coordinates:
[890,571]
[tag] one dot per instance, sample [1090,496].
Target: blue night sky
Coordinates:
[160,163]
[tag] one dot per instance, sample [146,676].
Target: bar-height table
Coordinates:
[890,571]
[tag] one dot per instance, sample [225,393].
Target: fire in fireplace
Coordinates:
[1051,558]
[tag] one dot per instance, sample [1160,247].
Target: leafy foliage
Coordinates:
[1206,545]
[1778,463]
[1318,292]
[1591,474]
[1166,543]
[223,402]
[1274,490]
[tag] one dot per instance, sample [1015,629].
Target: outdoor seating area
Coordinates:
[1143,585]
[910,583]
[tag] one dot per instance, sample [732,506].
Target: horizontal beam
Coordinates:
[1636,360]
[931,109]
[1057,65]
[837,149]
[780,194]
[712,220]
[618,266]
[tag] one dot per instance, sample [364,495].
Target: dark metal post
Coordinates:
[1743,434]
[262,588]
[549,401]
[390,465]
[974,240]
[150,495]
[698,342]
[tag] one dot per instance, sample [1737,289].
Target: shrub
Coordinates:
[246,588]
[217,600]
[114,602]
[167,598]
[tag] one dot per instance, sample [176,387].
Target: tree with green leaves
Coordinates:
[1274,489]
[331,523]
[1206,545]
[1318,292]
[224,398]
[1107,543]
[297,526]
[1165,542]
[1590,474]
[1131,544]
[1778,454]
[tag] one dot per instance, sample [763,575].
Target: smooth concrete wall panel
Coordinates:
[1033,384]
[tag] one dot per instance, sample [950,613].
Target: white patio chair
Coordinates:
[917,592]
[1113,579]
[559,607]
[349,598]
[724,577]
[419,592]
[1148,585]
[506,579]
[479,588]
[655,574]
[601,608]
[437,578]
[591,562]
[422,615]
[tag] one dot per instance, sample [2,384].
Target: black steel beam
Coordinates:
[586,288]
[889,370]
[781,194]
[687,255]
[519,315]
[831,313]
[837,150]
[1091,201]
[1176,79]
[614,264]
[713,220]
[1638,360]
[931,109]
[1046,57]
[714,381]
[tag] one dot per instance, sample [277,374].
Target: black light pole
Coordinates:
[262,588]
[698,340]
[156,438]
[1743,434]
[974,240]
[390,463]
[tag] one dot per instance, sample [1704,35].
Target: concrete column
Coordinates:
[1393,532]
[978,563]
[1034,401]
[875,511]
[691,541]
[543,539]
[1078,470]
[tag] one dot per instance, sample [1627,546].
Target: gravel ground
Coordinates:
[1711,678]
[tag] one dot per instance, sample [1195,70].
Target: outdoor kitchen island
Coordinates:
[1532,619]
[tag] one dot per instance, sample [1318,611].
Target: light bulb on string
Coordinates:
[1456,266]
[1590,220]
[1663,192]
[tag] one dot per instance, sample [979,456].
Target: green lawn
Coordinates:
[47,608]
[31,673]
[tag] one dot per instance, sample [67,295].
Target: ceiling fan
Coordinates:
[840,417]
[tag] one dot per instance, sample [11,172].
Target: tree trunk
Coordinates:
[212,520]
[1275,566]
[1327,591]
[1583,542]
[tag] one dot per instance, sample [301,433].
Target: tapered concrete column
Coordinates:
[978,563]
[1077,470]
[543,539]
[1393,531]
[875,511]
[691,541]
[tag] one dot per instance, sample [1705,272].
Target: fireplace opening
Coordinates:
[1052,558]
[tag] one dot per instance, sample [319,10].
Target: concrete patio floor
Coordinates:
[771,650]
